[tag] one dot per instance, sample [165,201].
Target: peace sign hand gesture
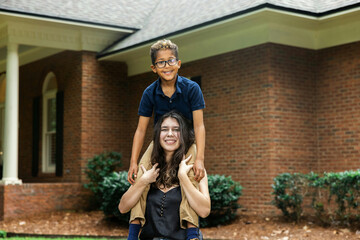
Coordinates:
[184,168]
[150,175]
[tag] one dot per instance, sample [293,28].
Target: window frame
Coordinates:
[2,129]
[47,167]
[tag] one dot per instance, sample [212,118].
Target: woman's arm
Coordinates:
[133,194]
[199,200]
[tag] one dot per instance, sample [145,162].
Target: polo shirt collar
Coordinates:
[178,89]
[178,82]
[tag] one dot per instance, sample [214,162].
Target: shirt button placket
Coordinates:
[162,205]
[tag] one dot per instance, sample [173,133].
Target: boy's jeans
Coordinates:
[187,214]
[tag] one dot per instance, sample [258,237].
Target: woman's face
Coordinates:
[170,135]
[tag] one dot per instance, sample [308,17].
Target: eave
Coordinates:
[39,37]
[264,25]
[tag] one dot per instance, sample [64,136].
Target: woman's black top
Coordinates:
[162,215]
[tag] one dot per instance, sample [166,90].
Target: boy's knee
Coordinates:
[192,152]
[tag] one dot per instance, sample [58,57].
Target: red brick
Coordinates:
[269,109]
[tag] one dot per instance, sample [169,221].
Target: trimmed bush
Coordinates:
[3,234]
[99,167]
[111,190]
[335,196]
[344,187]
[224,194]
[289,190]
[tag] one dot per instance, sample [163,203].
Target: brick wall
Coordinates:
[269,109]
[67,69]
[104,108]
[95,97]
[292,112]
[338,108]
[259,112]
[28,199]
[235,87]
[136,86]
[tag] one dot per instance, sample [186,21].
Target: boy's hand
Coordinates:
[199,170]
[133,169]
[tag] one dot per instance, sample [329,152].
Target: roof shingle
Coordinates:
[121,13]
[158,18]
[167,19]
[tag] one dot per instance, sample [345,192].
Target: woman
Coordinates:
[168,179]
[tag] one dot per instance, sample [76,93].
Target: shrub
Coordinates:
[99,167]
[289,191]
[342,187]
[318,194]
[3,234]
[111,190]
[224,194]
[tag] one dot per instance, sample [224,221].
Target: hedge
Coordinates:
[334,197]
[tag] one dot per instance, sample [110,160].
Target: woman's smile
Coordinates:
[170,141]
[169,135]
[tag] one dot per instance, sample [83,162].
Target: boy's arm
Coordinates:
[138,142]
[199,128]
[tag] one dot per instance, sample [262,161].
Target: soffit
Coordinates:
[38,39]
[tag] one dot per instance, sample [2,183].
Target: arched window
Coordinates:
[49,124]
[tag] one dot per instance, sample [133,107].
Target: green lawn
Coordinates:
[58,238]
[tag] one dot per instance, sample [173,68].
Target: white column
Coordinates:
[11,133]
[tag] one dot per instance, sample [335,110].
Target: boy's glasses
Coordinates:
[170,62]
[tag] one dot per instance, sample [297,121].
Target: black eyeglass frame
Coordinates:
[168,62]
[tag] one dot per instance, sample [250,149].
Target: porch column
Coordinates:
[11,133]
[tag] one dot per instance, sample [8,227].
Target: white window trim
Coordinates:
[2,128]
[46,166]
[2,122]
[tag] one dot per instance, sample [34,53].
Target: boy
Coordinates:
[167,93]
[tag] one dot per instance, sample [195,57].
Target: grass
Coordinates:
[5,236]
[59,238]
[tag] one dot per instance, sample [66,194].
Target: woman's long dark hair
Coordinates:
[168,170]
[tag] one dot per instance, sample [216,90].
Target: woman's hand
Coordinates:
[184,168]
[133,194]
[199,199]
[150,175]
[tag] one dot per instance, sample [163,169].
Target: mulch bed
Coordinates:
[245,227]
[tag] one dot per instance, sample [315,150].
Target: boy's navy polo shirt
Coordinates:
[186,99]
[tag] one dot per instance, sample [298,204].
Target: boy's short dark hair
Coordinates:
[161,45]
